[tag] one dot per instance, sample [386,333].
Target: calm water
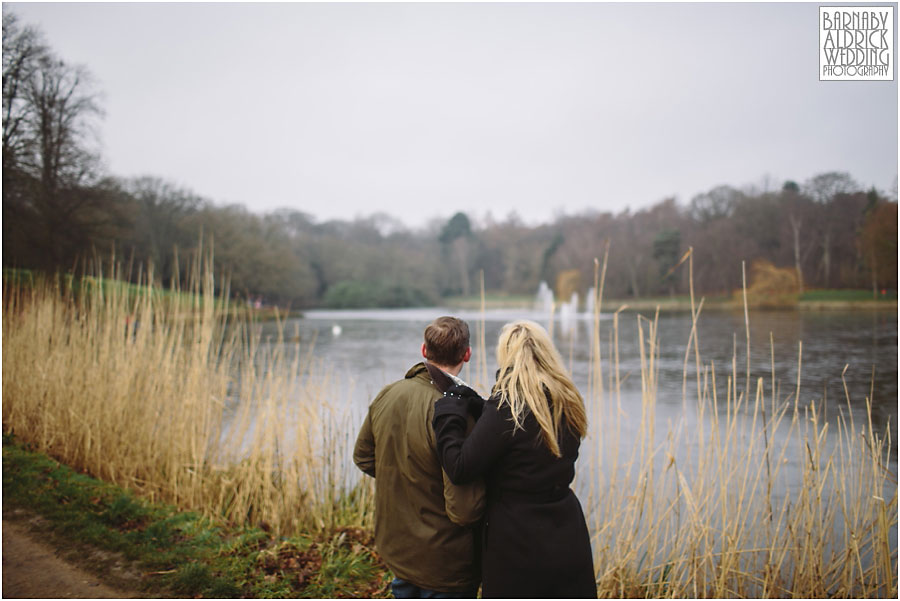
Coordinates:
[376,347]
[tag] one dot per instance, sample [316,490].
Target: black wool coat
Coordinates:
[535,541]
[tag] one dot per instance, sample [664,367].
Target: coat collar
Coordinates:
[420,372]
[417,369]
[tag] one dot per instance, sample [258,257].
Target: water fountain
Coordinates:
[543,300]
[568,314]
[568,311]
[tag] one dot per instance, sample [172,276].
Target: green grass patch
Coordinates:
[88,285]
[182,300]
[847,295]
[174,553]
[492,300]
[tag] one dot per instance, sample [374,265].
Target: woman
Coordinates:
[535,541]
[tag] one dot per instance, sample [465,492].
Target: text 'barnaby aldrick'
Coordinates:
[856,42]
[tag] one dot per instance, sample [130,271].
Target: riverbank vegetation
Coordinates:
[195,410]
[808,300]
[61,209]
[143,394]
[156,550]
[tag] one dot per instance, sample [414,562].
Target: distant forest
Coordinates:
[61,211]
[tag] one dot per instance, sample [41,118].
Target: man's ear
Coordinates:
[424,355]
[468,355]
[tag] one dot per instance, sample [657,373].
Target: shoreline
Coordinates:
[678,304]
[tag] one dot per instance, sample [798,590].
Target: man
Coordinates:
[424,524]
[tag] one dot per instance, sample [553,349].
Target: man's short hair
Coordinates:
[446,341]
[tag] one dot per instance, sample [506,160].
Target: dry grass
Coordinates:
[144,393]
[719,506]
[770,287]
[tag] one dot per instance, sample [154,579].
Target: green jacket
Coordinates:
[423,522]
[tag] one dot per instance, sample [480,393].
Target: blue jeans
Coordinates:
[407,590]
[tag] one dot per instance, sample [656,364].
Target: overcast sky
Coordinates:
[421,110]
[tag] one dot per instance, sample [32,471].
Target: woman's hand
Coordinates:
[468,452]
[474,402]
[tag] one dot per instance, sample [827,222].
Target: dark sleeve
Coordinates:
[467,458]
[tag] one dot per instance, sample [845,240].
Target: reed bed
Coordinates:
[752,496]
[759,497]
[179,401]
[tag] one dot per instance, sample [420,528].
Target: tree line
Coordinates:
[60,210]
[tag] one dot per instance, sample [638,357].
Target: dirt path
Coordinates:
[33,569]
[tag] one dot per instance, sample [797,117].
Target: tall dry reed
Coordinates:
[177,397]
[749,495]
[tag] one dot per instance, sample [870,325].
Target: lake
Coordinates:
[368,349]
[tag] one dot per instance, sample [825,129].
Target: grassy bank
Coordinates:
[491,301]
[158,551]
[131,294]
[811,300]
[821,302]
[198,412]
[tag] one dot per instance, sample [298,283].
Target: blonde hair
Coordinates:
[530,370]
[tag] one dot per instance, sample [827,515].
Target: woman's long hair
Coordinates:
[530,370]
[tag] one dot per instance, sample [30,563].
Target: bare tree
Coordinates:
[49,110]
[22,51]
[715,204]
[160,211]
[62,107]
[824,187]
[795,205]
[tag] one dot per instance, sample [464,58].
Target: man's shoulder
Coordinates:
[405,406]
[415,383]
[414,386]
